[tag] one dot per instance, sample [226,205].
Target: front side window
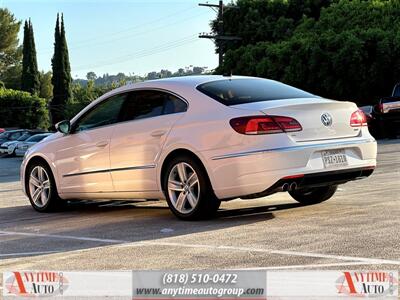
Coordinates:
[248,90]
[147,104]
[105,113]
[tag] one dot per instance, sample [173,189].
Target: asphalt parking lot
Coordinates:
[357,229]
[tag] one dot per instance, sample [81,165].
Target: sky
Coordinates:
[129,36]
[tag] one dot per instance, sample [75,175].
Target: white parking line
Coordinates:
[68,237]
[354,263]
[280,252]
[209,247]
[27,253]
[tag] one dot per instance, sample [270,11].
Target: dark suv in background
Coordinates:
[384,117]
[387,113]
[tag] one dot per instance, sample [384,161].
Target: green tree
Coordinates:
[21,109]
[83,95]
[91,76]
[10,53]
[46,88]
[30,81]
[266,20]
[61,79]
[350,52]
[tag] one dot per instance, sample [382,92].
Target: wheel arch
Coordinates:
[177,152]
[35,159]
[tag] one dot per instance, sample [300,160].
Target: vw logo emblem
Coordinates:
[326,119]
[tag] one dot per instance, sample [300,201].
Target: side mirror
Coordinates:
[64,126]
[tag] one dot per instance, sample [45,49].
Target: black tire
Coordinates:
[313,195]
[54,202]
[207,204]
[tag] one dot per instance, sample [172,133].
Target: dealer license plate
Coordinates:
[334,158]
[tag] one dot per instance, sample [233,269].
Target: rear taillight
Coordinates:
[264,124]
[358,119]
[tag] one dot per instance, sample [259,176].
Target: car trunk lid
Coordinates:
[320,118]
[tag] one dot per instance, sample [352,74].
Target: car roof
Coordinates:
[188,81]
[194,80]
[16,130]
[173,84]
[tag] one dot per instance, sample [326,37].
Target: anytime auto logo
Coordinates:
[35,283]
[367,284]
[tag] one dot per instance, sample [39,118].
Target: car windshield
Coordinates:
[13,136]
[248,90]
[37,138]
[24,137]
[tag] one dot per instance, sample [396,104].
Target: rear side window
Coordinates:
[248,90]
[174,105]
[147,104]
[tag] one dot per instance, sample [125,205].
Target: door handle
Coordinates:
[102,144]
[158,133]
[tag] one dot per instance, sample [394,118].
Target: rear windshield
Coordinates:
[248,90]
[396,91]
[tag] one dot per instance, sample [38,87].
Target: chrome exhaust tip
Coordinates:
[285,187]
[293,186]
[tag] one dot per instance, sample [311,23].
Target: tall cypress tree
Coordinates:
[34,64]
[61,79]
[30,81]
[25,58]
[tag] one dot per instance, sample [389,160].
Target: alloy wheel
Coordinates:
[183,188]
[39,186]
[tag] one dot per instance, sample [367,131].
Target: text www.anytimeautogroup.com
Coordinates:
[199,292]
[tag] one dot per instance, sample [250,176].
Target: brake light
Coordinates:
[254,125]
[358,119]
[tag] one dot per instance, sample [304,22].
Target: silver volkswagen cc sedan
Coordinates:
[199,140]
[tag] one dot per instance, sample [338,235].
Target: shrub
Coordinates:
[21,109]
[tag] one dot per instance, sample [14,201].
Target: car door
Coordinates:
[146,119]
[83,156]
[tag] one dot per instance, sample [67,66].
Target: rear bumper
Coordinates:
[313,180]
[254,172]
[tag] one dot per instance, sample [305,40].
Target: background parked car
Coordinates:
[387,114]
[22,147]
[9,146]
[11,135]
